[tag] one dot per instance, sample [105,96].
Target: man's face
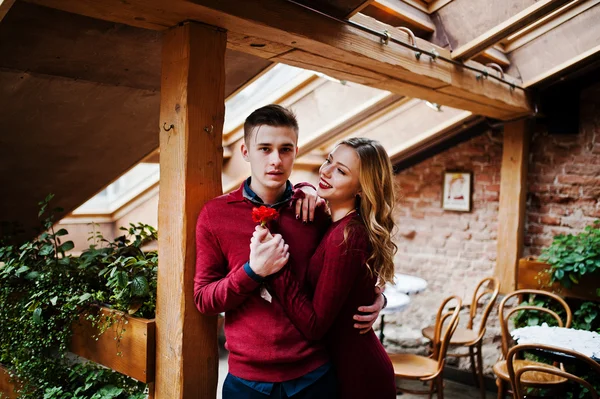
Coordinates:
[271,152]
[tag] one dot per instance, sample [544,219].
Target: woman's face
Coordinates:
[339,173]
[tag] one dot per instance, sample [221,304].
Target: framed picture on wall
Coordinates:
[457,190]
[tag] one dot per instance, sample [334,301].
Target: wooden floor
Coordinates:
[452,389]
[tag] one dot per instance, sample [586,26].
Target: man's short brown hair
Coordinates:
[270,115]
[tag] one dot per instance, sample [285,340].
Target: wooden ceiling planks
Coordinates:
[465,20]
[573,43]
[80,104]
[48,41]
[67,137]
[506,28]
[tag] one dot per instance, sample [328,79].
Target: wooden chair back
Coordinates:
[487,288]
[443,334]
[505,315]
[515,376]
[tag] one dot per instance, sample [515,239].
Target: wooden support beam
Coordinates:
[513,191]
[437,4]
[359,8]
[5,6]
[466,91]
[192,99]
[290,25]
[493,55]
[406,14]
[498,33]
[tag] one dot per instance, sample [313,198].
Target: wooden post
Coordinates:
[513,190]
[192,111]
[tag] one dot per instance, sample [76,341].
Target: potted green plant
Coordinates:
[128,284]
[570,266]
[573,257]
[44,291]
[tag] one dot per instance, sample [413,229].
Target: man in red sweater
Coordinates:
[268,356]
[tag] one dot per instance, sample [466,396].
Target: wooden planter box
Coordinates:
[532,274]
[7,388]
[132,355]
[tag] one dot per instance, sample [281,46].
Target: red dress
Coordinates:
[338,282]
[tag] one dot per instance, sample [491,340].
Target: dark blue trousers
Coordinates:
[324,388]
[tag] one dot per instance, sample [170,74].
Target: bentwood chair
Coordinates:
[536,380]
[430,369]
[471,336]
[519,375]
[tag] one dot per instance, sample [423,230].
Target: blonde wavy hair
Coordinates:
[376,204]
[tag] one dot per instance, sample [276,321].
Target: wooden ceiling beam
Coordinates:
[5,6]
[358,9]
[466,91]
[270,20]
[492,54]
[512,25]
[406,14]
[437,4]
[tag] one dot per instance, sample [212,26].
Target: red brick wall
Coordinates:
[450,249]
[453,251]
[564,178]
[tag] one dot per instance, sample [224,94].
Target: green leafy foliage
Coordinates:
[571,257]
[127,273]
[43,291]
[526,318]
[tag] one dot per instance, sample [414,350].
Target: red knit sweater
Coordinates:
[263,343]
[338,283]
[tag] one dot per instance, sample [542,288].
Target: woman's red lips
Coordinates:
[323,184]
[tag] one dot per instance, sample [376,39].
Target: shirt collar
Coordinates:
[255,199]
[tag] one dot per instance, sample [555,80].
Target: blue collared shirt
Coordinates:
[255,199]
[290,387]
[296,385]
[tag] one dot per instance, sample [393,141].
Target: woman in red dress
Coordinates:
[356,254]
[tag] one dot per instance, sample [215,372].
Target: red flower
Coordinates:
[264,215]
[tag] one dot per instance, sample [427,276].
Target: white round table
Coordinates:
[584,342]
[396,301]
[407,284]
[397,295]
